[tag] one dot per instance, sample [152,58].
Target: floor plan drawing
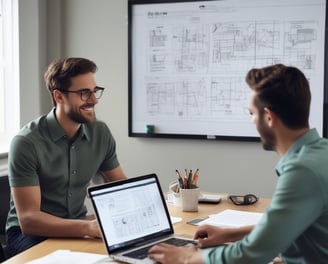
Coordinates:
[195,57]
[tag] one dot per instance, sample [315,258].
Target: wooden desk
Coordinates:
[97,246]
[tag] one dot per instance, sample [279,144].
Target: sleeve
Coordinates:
[22,163]
[296,204]
[110,161]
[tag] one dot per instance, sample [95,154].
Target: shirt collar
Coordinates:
[306,138]
[57,132]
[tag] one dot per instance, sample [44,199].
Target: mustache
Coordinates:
[88,105]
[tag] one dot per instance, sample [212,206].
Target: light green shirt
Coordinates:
[42,155]
[296,222]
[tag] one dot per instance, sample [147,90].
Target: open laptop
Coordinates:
[133,216]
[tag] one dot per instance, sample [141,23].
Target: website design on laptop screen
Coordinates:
[129,211]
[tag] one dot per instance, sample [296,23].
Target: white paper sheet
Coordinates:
[232,218]
[67,257]
[175,219]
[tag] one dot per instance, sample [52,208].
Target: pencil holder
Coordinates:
[189,199]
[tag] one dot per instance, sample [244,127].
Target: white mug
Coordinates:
[174,195]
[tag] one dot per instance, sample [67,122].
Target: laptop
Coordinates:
[133,216]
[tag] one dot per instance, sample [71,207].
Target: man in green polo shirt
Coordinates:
[296,222]
[53,158]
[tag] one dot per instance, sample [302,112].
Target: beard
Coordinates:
[267,136]
[78,117]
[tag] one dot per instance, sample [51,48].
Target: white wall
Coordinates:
[32,53]
[98,30]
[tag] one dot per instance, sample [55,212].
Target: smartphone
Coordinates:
[210,198]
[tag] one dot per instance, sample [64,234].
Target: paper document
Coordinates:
[67,257]
[232,218]
[175,219]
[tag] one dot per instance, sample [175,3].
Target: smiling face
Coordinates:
[74,107]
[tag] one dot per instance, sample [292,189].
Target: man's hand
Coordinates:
[209,236]
[168,254]
[93,229]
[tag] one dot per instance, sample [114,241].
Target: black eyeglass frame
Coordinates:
[243,199]
[86,93]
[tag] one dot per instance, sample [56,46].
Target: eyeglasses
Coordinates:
[243,199]
[85,94]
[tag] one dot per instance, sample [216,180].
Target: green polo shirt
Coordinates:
[43,155]
[296,222]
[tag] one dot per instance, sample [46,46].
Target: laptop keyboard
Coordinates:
[143,252]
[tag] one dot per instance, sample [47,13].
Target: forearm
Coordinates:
[43,224]
[235,234]
[113,175]
[210,236]
[195,258]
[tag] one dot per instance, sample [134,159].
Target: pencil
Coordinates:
[185,180]
[195,177]
[179,179]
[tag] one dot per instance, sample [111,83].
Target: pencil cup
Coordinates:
[189,199]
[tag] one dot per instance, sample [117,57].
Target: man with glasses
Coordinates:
[53,158]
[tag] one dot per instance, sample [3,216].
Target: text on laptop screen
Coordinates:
[130,211]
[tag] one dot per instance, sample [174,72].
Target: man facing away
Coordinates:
[53,158]
[296,222]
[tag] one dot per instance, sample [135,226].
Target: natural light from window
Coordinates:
[9,73]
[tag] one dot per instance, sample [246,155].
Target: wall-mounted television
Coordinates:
[188,61]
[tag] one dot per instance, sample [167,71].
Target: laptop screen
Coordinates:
[131,211]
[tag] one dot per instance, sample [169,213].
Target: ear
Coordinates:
[58,96]
[269,117]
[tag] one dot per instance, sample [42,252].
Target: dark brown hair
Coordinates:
[59,73]
[284,90]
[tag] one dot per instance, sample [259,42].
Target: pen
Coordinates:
[195,177]
[179,179]
[189,179]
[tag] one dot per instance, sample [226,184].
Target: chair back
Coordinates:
[4,206]
[2,254]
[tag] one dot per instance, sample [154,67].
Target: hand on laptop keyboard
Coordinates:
[143,252]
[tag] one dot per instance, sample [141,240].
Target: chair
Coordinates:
[2,254]
[4,208]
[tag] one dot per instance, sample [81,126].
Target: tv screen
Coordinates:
[188,61]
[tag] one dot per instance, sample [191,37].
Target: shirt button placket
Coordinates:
[72,176]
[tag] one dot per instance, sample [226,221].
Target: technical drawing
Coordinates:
[183,99]
[221,53]
[229,98]
[190,48]
[190,61]
[299,44]
[136,222]
[223,97]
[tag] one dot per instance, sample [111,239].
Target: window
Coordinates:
[9,73]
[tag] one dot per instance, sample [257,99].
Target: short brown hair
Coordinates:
[284,90]
[59,73]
